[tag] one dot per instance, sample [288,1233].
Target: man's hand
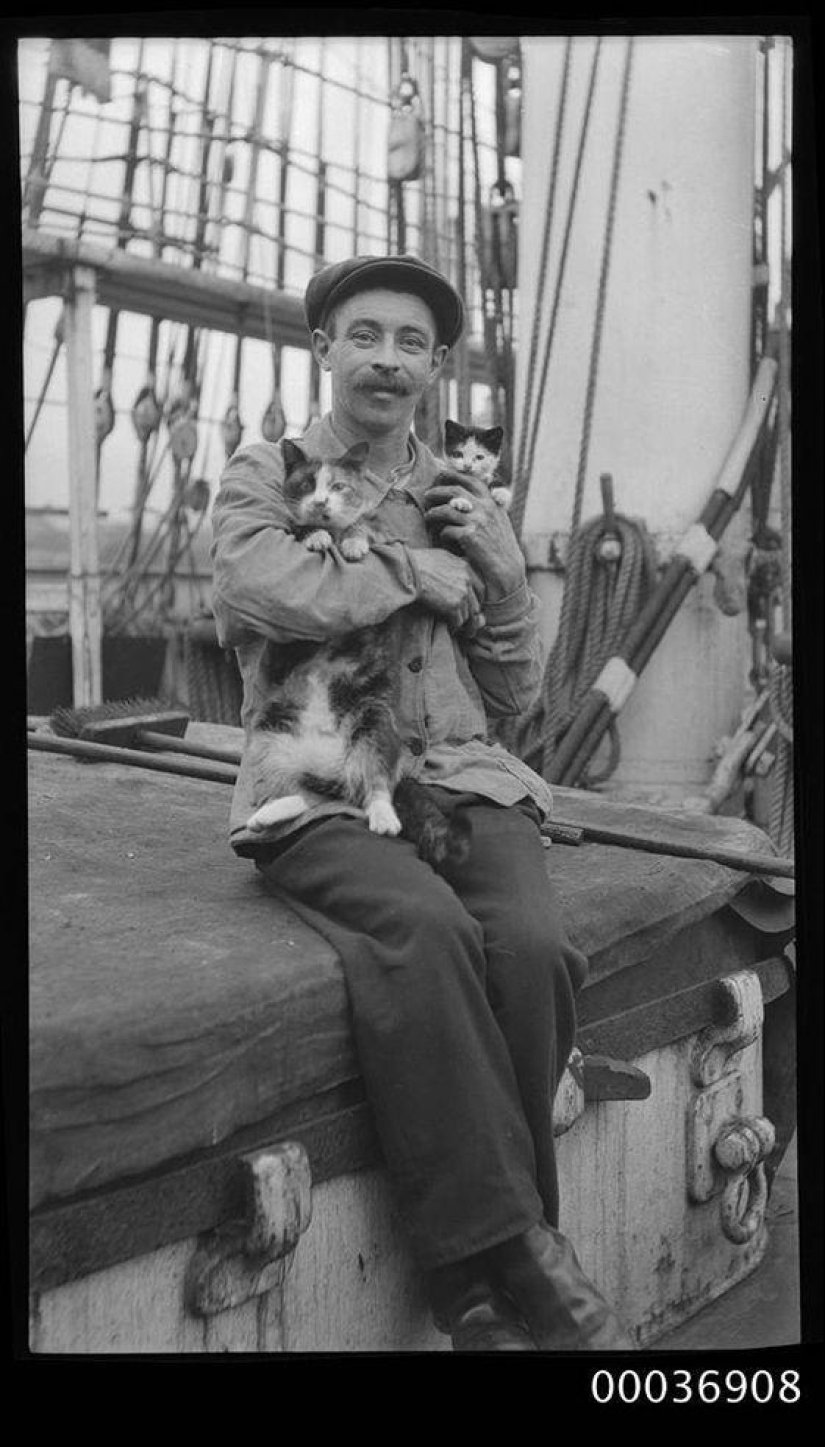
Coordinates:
[449,587]
[482,531]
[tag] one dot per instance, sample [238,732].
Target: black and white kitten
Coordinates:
[327,725]
[477,451]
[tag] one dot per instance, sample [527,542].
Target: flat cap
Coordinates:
[398,273]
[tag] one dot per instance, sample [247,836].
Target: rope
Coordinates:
[520,478]
[565,248]
[488,321]
[603,599]
[780,701]
[597,606]
[604,273]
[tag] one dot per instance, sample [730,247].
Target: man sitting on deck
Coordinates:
[462,996]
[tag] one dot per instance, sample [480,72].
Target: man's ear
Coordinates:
[321,343]
[440,355]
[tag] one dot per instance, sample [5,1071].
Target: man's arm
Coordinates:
[267,582]
[506,655]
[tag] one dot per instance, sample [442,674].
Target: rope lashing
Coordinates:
[697,547]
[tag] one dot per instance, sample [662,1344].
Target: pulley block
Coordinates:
[406,136]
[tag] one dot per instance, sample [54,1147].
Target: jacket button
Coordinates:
[416,747]
[415,665]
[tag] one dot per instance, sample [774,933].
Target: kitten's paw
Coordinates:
[319,541]
[276,811]
[461,504]
[355,547]
[382,818]
[502,495]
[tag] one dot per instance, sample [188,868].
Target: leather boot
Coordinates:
[469,1308]
[539,1271]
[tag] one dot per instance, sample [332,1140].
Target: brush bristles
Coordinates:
[69,722]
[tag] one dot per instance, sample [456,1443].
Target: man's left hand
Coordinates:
[484,533]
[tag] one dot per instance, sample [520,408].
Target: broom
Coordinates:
[123,731]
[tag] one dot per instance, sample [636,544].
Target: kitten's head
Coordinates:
[475,450]
[324,492]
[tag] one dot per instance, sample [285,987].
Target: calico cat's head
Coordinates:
[324,493]
[475,450]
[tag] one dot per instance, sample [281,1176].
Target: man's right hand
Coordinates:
[448,585]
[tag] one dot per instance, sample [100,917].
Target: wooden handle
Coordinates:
[110,753]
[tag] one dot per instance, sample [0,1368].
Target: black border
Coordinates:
[391,1398]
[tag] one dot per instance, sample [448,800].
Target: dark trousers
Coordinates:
[462,1004]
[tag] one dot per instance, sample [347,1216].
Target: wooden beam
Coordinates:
[169,292]
[84,572]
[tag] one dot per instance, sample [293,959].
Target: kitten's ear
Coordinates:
[356,456]
[492,437]
[292,454]
[453,433]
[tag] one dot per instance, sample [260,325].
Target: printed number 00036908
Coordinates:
[708,1386]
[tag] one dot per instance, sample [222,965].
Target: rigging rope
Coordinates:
[520,478]
[607,246]
[530,446]
[598,605]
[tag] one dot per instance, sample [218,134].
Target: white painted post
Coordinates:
[84,574]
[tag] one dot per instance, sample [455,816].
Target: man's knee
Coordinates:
[540,952]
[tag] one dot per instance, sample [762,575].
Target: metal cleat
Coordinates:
[248,1258]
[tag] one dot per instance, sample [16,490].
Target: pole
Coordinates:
[84,573]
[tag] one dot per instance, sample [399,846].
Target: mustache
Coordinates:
[388,385]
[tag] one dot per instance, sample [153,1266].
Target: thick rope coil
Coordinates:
[601,600]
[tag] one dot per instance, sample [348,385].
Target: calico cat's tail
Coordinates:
[442,842]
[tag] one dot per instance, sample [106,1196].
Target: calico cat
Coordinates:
[477,451]
[327,725]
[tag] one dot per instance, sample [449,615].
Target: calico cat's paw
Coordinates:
[502,495]
[319,541]
[461,504]
[276,811]
[382,818]
[355,547]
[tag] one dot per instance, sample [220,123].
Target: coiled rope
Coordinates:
[603,596]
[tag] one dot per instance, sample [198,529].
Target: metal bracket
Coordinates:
[247,1258]
[740,1013]
[568,1104]
[594,1077]
[727,1150]
[740,1149]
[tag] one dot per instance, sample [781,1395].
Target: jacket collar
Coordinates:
[413,476]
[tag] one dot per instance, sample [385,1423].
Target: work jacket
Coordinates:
[268,585]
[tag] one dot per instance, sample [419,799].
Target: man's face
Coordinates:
[382,351]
